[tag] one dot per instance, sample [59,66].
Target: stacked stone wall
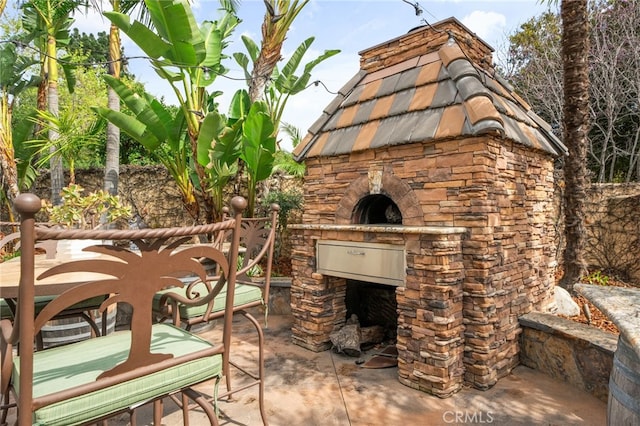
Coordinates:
[318,304]
[509,255]
[613,230]
[430,324]
[500,192]
[423,41]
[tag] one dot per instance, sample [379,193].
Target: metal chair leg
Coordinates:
[185,409]
[157,412]
[204,404]
[260,378]
[5,408]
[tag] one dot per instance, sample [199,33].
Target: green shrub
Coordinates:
[597,277]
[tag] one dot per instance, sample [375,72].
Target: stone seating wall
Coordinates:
[568,351]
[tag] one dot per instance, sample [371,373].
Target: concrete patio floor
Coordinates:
[307,388]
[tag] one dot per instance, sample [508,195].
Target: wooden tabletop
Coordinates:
[10,276]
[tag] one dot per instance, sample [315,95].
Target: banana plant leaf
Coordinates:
[239,107]
[147,111]
[258,144]
[24,152]
[209,129]
[286,81]
[13,68]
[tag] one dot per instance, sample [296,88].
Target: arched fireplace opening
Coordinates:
[375,305]
[376,209]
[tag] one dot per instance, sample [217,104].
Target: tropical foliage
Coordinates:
[284,160]
[76,138]
[13,80]
[84,210]
[535,69]
[203,149]
[47,24]
[283,84]
[189,57]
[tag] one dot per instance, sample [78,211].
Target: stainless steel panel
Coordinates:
[378,263]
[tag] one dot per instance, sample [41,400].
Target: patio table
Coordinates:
[51,286]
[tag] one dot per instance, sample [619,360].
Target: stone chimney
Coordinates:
[426,39]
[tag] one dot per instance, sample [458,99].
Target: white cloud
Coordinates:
[489,26]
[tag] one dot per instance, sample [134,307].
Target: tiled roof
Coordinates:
[438,95]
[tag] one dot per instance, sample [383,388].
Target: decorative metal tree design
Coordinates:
[136,279]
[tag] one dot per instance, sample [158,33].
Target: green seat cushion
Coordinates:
[42,301]
[72,365]
[244,293]
[5,310]
[93,303]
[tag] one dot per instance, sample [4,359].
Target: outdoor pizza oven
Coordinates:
[427,179]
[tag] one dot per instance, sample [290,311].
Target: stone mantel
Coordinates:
[390,229]
[621,305]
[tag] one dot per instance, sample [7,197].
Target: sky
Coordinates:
[350,26]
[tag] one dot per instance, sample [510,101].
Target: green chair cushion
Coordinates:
[5,311]
[42,301]
[72,365]
[93,303]
[244,293]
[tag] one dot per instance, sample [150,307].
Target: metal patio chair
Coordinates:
[257,241]
[91,380]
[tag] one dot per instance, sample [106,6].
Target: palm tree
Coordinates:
[74,136]
[575,58]
[284,160]
[277,21]
[112,162]
[49,20]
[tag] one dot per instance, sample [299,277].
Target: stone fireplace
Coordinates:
[428,177]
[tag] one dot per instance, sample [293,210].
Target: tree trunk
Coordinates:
[575,54]
[9,171]
[55,164]
[112,162]
[263,68]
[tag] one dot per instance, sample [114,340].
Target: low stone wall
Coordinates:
[568,351]
[151,192]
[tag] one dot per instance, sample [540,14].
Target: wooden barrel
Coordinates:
[68,330]
[623,408]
